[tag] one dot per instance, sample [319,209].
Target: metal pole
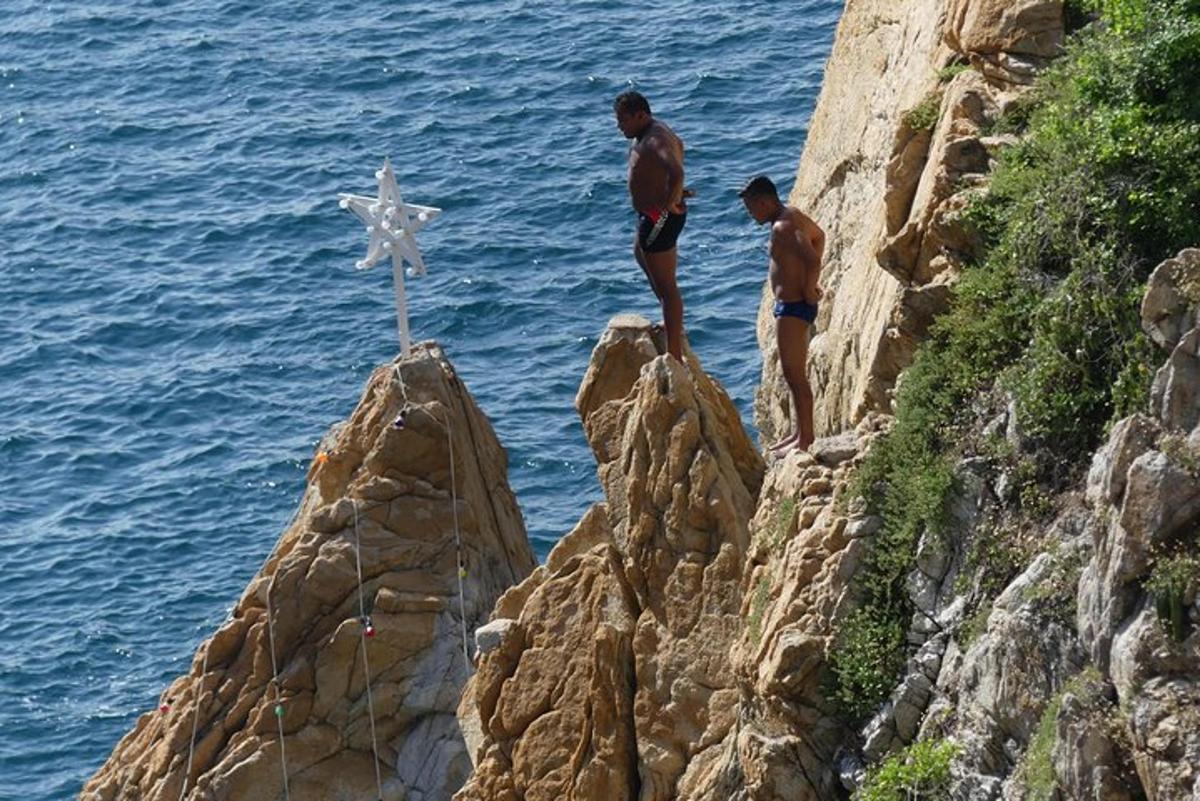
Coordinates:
[401,303]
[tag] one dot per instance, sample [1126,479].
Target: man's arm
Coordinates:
[798,260]
[674,170]
[812,290]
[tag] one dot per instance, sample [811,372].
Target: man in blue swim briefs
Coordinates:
[797,244]
[657,193]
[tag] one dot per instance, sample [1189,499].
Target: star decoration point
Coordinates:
[391,225]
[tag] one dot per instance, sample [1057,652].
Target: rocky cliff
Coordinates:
[664,653]
[896,145]
[413,481]
[682,641]
[606,673]
[1081,679]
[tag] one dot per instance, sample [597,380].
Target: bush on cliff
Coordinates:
[1104,185]
[921,771]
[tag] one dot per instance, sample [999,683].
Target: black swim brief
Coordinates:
[659,230]
[805,311]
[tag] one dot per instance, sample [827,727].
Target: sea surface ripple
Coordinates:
[182,317]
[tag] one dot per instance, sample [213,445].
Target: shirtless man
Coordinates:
[657,193]
[797,244]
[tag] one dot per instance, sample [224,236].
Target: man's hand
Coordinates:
[677,207]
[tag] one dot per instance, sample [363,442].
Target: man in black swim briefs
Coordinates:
[797,244]
[657,193]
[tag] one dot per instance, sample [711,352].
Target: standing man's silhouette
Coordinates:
[657,193]
[797,244]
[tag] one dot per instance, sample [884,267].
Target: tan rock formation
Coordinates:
[609,674]
[553,698]
[889,189]
[399,481]
[795,589]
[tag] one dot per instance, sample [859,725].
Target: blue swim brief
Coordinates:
[798,308]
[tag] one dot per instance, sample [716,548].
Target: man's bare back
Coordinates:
[655,164]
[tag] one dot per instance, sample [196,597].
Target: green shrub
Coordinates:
[866,660]
[1133,15]
[909,473]
[924,116]
[951,71]
[920,772]
[758,605]
[1037,764]
[783,522]
[1104,185]
[1174,574]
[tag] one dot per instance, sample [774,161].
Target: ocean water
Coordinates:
[181,316]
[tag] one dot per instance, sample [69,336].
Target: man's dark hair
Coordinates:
[631,103]
[759,186]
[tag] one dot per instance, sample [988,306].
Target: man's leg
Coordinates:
[791,335]
[660,268]
[639,256]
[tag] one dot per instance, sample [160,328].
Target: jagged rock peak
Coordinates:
[606,673]
[385,484]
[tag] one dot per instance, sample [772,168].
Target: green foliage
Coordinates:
[1037,765]
[924,115]
[1174,575]
[1134,15]
[1104,184]
[920,772]
[949,72]
[1015,117]
[758,605]
[908,475]
[1086,343]
[867,658]
[783,522]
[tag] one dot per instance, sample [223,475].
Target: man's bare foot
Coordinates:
[784,444]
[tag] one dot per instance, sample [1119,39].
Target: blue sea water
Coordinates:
[182,320]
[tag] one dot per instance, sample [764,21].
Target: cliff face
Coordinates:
[389,488]
[892,153]
[1082,678]
[667,653]
[606,673]
[678,642]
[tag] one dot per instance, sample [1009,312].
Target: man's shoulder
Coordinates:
[784,226]
[802,220]
[662,135]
